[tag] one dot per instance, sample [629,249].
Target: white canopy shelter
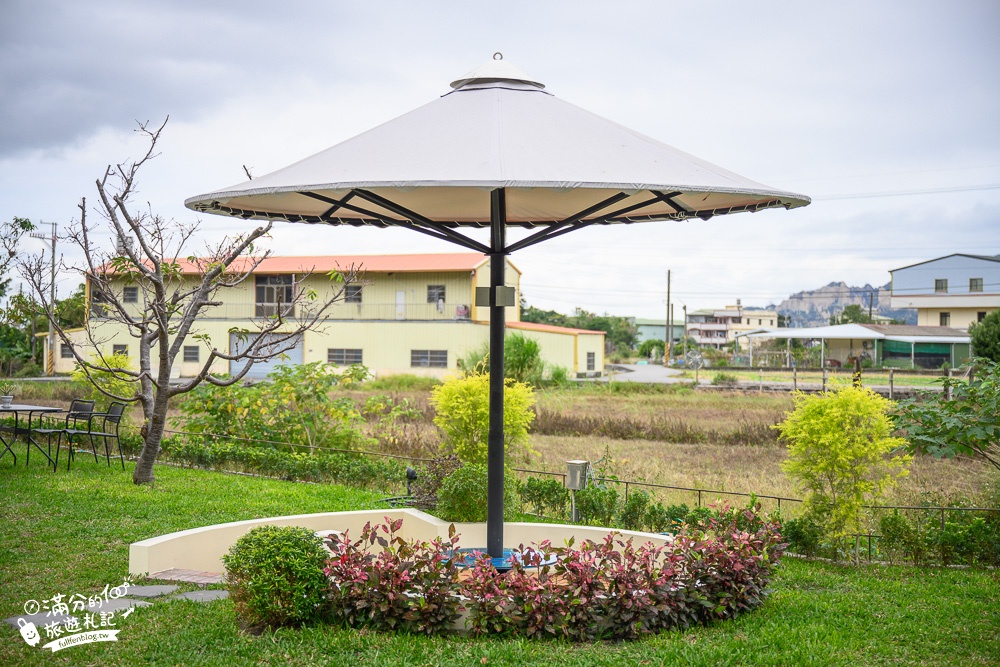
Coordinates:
[496,151]
[913,335]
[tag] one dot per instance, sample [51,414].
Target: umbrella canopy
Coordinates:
[497,128]
[496,151]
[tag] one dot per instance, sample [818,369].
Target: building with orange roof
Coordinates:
[403,314]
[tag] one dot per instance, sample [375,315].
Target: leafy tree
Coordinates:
[522,360]
[968,423]
[463,413]
[619,331]
[851,314]
[651,348]
[72,311]
[842,452]
[986,337]
[148,255]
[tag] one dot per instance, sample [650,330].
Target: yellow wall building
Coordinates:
[404,314]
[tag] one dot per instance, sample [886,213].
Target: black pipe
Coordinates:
[494,452]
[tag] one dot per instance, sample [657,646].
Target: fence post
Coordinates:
[699,497]
[760,378]
[626,491]
[892,381]
[947,388]
[825,372]
[795,379]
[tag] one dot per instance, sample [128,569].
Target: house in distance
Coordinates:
[405,314]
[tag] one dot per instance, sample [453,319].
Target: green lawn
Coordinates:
[69,533]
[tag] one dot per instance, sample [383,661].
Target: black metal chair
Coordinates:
[77,422]
[109,429]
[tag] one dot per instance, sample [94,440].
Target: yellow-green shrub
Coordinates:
[463,413]
[842,453]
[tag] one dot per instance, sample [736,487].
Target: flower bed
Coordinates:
[611,589]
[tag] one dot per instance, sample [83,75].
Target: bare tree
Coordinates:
[10,235]
[173,291]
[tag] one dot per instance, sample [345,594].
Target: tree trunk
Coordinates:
[143,473]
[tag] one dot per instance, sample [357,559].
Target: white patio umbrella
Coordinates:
[496,151]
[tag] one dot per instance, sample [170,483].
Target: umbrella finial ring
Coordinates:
[497,56]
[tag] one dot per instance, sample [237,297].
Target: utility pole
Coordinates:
[871,299]
[50,359]
[667,329]
[685,343]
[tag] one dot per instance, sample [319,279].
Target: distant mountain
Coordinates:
[813,308]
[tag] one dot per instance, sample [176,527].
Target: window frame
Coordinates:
[944,318]
[591,361]
[353,293]
[428,359]
[435,289]
[345,353]
[118,348]
[187,350]
[975,284]
[940,285]
[130,294]
[65,351]
[274,286]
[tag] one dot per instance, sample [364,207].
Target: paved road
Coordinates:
[653,373]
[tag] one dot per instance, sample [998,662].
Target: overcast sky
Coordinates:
[885,113]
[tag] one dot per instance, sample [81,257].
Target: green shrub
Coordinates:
[842,453]
[633,514]
[402,382]
[462,496]
[463,410]
[348,469]
[547,497]
[275,576]
[90,382]
[296,406]
[597,505]
[725,379]
[559,376]
[803,536]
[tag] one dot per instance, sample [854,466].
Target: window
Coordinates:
[429,358]
[343,357]
[65,351]
[591,361]
[941,285]
[274,293]
[975,284]
[191,352]
[130,294]
[98,304]
[352,294]
[981,315]
[435,293]
[945,319]
[119,349]
[739,320]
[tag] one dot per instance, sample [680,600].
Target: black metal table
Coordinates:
[18,429]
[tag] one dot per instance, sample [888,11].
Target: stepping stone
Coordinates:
[118,605]
[201,596]
[150,591]
[189,576]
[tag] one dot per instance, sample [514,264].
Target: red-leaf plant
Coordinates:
[398,585]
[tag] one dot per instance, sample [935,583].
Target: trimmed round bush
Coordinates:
[275,576]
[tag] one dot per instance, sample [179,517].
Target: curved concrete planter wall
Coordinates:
[201,549]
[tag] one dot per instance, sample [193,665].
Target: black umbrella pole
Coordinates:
[495,441]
